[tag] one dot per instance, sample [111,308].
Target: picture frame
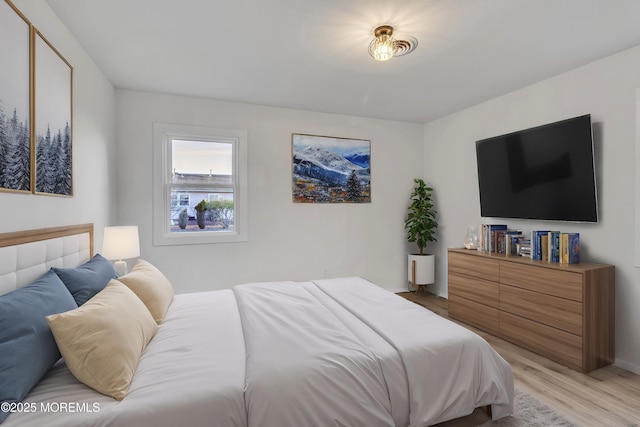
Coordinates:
[329,169]
[53,110]
[16,168]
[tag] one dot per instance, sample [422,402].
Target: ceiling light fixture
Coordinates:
[384,46]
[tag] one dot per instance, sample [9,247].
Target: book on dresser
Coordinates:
[543,245]
[536,243]
[524,248]
[512,242]
[569,248]
[554,246]
[488,236]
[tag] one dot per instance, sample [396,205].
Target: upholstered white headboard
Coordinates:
[27,255]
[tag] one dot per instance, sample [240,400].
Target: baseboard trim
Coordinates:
[627,366]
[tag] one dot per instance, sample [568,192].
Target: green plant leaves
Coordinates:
[421,221]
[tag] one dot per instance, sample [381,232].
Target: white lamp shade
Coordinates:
[121,242]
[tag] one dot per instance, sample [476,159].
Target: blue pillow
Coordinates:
[87,280]
[27,347]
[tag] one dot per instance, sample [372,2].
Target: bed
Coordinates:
[332,352]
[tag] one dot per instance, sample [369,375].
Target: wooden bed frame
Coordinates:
[36,235]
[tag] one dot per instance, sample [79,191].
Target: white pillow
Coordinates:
[151,286]
[102,340]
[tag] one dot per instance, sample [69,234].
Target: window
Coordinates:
[200,188]
[179,200]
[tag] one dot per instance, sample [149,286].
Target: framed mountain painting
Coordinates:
[330,169]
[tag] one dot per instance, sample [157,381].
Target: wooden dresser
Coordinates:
[564,312]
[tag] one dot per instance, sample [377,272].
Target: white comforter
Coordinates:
[339,352]
[450,369]
[301,344]
[304,367]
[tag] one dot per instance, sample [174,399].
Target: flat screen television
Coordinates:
[545,172]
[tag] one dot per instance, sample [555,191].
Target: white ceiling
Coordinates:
[312,54]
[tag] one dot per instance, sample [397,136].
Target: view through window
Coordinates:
[201,186]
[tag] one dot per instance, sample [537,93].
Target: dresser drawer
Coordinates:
[472,288]
[555,344]
[478,315]
[550,281]
[476,266]
[552,311]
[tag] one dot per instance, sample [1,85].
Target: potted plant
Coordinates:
[421,226]
[183,219]
[201,208]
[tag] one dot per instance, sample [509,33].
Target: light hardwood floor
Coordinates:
[609,396]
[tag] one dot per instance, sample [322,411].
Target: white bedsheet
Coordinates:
[191,374]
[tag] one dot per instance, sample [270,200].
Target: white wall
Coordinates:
[287,241]
[93,142]
[606,90]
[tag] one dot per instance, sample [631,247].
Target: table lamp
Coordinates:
[120,243]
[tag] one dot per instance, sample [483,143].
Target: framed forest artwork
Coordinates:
[53,116]
[15,101]
[331,170]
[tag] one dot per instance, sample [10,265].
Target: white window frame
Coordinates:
[163,134]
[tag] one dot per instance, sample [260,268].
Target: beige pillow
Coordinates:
[102,341]
[151,286]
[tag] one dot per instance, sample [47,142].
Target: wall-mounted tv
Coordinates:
[546,172]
